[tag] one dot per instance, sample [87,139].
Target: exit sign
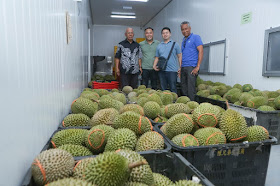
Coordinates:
[246,18]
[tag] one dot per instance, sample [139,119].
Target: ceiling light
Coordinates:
[139,0]
[127,7]
[123,13]
[123,16]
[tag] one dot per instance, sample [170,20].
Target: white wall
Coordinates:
[108,36]
[216,20]
[40,75]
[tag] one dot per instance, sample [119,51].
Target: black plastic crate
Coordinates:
[229,164]
[28,180]
[201,99]
[152,121]
[167,146]
[172,165]
[268,119]
[155,123]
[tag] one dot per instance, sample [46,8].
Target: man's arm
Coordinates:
[140,65]
[200,57]
[117,62]
[155,64]
[180,63]
[140,59]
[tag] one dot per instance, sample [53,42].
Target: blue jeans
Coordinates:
[168,79]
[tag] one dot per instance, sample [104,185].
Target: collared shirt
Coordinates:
[163,50]
[189,50]
[129,54]
[149,53]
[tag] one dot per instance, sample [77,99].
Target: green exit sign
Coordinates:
[246,18]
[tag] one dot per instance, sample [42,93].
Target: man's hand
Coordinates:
[155,68]
[179,73]
[118,72]
[117,62]
[195,71]
[141,71]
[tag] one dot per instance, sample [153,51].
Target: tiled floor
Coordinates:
[273,172]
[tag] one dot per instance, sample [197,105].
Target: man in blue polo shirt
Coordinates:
[192,54]
[169,76]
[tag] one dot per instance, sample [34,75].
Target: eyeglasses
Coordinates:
[185,43]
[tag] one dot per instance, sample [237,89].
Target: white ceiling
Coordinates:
[145,11]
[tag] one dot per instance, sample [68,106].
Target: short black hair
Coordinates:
[166,28]
[149,28]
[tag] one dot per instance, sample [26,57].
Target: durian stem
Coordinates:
[160,117]
[110,123]
[227,104]
[97,101]
[137,164]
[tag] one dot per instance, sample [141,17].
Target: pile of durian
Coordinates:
[56,167]
[240,95]
[210,124]
[119,125]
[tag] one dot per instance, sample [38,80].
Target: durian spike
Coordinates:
[137,164]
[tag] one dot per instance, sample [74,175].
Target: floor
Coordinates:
[273,172]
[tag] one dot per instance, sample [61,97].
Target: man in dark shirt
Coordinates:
[128,60]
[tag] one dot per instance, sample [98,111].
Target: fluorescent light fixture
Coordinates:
[123,13]
[124,16]
[139,0]
[127,7]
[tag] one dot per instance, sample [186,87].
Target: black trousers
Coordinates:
[188,82]
[149,75]
[129,80]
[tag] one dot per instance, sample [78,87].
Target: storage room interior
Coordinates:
[47,49]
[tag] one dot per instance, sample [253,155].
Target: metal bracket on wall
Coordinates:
[68,28]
